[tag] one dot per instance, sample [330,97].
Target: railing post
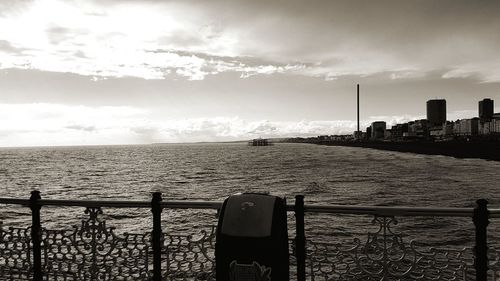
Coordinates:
[36,235]
[156,209]
[480,218]
[300,238]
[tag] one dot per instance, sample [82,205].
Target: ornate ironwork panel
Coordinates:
[15,253]
[494,266]
[92,251]
[190,258]
[384,255]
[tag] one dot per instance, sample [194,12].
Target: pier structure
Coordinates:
[376,249]
[259,142]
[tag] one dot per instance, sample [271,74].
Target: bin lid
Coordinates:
[248,215]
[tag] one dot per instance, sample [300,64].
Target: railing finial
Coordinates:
[156,196]
[35,195]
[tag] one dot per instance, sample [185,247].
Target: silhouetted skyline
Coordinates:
[115,72]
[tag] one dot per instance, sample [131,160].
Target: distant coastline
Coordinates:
[482,149]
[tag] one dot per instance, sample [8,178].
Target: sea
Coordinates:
[213,171]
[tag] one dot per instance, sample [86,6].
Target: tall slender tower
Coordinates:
[358,109]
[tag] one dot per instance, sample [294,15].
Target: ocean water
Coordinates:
[323,174]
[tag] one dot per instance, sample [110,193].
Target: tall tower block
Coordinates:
[436,112]
[486,109]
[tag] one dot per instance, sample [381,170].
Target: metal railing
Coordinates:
[92,251]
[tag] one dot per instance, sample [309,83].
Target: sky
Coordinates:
[137,71]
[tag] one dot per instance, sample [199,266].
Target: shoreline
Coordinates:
[487,150]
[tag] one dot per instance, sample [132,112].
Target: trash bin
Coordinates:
[252,239]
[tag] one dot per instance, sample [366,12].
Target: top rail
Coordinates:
[192,204]
[215,205]
[494,213]
[14,201]
[390,211]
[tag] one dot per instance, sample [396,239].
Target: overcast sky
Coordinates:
[118,72]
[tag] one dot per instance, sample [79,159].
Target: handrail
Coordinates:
[116,203]
[14,201]
[192,204]
[95,203]
[494,213]
[332,209]
[390,211]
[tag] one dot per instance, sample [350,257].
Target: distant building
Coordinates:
[436,132]
[448,129]
[409,133]
[418,129]
[443,132]
[491,127]
[487,127]
[399,130]
[388,134]
[369,132]
[436,112]
[495,126]
[378,130]
[358,135]
[323,138]
[396,133]
[486,110]
[467,127]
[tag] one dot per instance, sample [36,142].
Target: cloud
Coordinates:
[82,128]
[75,40]
[62,124]
[327,39]
[7,47]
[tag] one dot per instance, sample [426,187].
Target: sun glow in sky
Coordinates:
[114,72]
